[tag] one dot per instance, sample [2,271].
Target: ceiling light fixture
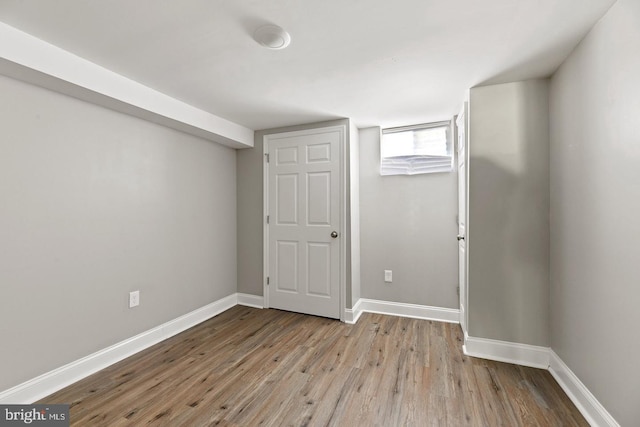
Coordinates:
[272,37]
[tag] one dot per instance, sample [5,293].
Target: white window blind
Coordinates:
[411,150]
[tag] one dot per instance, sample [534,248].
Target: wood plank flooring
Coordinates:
[250,367]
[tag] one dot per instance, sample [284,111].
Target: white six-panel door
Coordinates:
[303,229]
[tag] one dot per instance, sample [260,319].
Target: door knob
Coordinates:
[460,238]
[334,234]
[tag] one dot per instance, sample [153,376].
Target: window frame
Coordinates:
[437,163]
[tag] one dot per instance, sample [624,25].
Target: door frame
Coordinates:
[341,129]
[465,113]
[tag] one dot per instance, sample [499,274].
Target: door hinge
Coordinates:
[458,290]
[267,219]
[267,280]
[266,156]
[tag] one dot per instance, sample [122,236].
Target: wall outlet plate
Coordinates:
[134,299]
[388,276]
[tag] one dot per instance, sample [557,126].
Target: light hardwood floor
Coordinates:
[250,367]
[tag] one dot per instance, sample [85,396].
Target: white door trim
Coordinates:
[465,116]
[343,210]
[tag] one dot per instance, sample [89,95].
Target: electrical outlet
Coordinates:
[388,276]
[134,299]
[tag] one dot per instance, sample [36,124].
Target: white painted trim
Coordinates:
[249,300]
[352,315]
[415,311]
[52,381]
[464,295]
[509,352]
[35,61]
[344,206]
[579,394]
[543,358]
[502,351]
[265,225]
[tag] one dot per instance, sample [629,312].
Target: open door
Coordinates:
[461,149]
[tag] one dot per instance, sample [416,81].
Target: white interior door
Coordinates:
[462,215]
[304,205]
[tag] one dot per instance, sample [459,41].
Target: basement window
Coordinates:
[411,150]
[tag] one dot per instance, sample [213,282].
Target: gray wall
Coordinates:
[508,224]
[408,225]
[96,204]
[250,164]
[354,214]
[595,206]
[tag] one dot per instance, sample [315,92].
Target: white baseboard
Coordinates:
[249,300]
[509,352]
[502,351]
[415,311]
[544,358]
[579,394]
[50,382]
[351,315]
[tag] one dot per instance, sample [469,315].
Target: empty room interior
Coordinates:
[242,212]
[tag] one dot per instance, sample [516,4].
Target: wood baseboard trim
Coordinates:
[52,381]
[509,352]
[255,301]
[585,401]
[502,351]
[351,315]
[543,358]
[439,314]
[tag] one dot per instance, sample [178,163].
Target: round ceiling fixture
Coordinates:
[272,37]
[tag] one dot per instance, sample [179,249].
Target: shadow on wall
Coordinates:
[509,219]
[494,268]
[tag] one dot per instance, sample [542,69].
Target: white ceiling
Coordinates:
[379,62]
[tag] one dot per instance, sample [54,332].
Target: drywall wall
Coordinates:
[508,224]
[96,204]
[250,163]
[354,214]
[595,206]
[27,58]
[407,225]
